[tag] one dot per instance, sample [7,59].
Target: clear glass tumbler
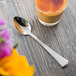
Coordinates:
[48,18]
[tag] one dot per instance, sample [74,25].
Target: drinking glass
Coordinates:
[47,18]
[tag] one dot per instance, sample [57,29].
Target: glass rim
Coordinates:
[50,12]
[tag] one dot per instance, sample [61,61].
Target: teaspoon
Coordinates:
[24,28]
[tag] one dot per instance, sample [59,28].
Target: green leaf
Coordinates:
[1,40]
[16,45]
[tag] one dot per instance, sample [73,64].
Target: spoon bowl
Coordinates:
[24,28]
[22,25]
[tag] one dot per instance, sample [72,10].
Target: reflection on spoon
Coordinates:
[25,28]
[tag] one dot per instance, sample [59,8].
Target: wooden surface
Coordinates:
[61,38]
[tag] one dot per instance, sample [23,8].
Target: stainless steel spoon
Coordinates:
[25,28]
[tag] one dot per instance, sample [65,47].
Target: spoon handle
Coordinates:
[61,60]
